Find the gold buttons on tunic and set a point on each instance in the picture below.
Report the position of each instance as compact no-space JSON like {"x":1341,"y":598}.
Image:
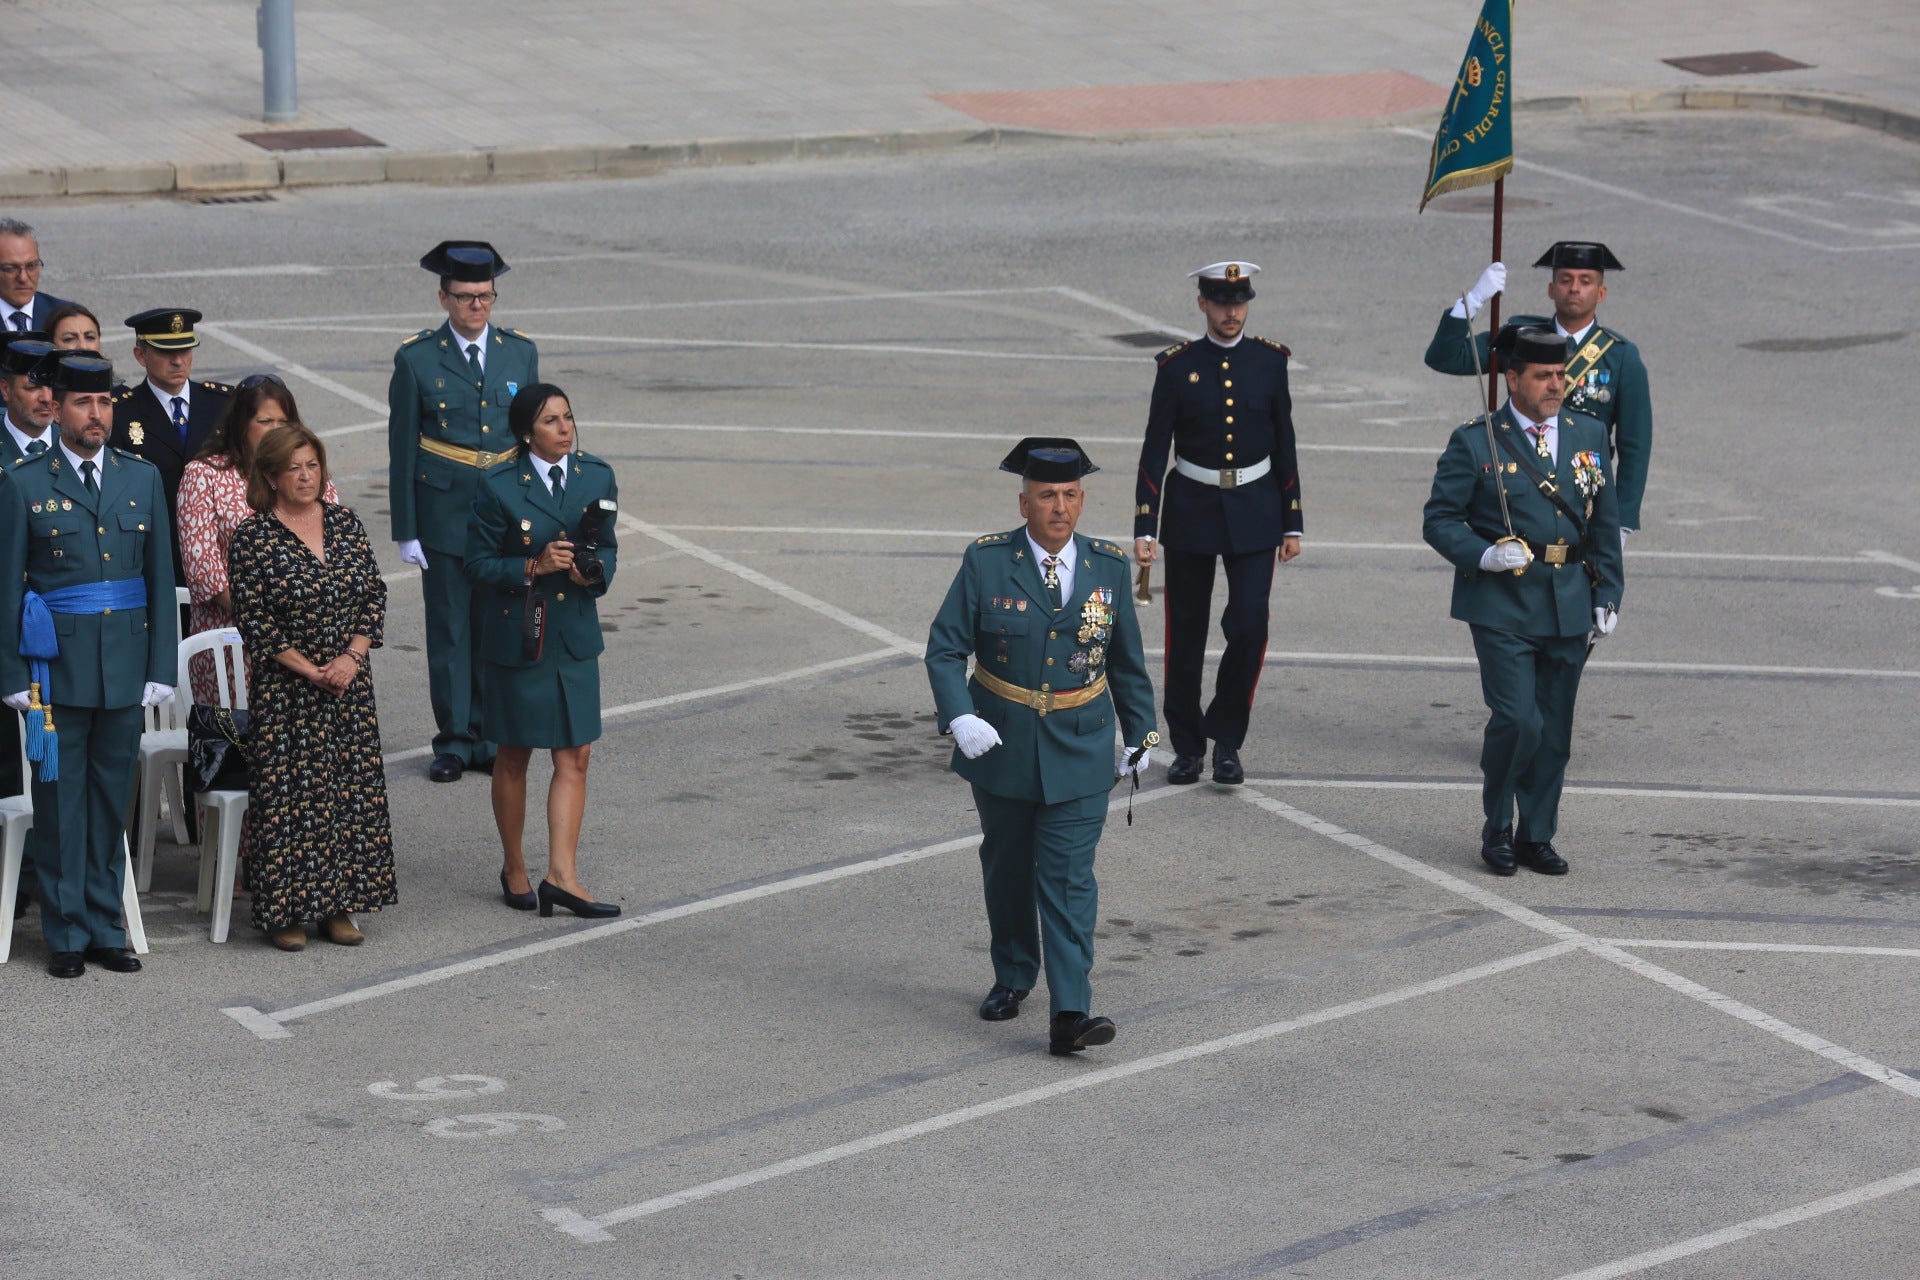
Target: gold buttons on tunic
{"x":1049,"y":661}
{"x":560,"y":595}
{"x":103,"y":528}
{"x":1229,"y":380}
{"x":1229,"y":402}
{"x":1229,"y":457}
{"x":1223,"y":364}
{"x":1229,"y":437}
{"x":106,"y":555}
{"x":1053,"y":635}
{"x":1229,"y":419}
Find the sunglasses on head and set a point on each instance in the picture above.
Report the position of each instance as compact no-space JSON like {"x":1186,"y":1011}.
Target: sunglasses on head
{"x":256,"y":379}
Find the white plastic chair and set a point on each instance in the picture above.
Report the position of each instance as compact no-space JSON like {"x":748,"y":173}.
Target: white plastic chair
{"x":221,"y":812}
{"x":16,"y":812}
{"x":163,"y":757}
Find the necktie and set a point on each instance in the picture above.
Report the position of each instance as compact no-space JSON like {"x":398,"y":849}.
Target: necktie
{"x":36,"y":447}
{"x":180,"y":417}
{"x":557,"y":481}
{"x":473,"y":360}
{"x":20,"y":321}
{"x":1052,"y":565}
{"x":86,"y":477}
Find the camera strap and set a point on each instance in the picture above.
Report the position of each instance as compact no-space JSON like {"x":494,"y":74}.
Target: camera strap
{"x":533,"y":626}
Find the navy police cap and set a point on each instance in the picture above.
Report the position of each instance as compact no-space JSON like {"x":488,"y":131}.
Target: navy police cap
{"x":1048,"y":459}
{"x":472,"y":261}
{"x":1226,"y":281}
{"x":167,"y":328}
{"x":82,"y":373}
{"x":1579,"y":255}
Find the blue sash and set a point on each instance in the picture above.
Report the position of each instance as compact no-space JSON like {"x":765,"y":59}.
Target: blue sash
{"x":39,"y":644}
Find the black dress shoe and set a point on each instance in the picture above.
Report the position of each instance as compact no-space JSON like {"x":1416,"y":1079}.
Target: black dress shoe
{"x":518,"y":901}
{"x":1072,"y":1032}
{"x":1496,"y":848}
{"x":445,"y":768}
{"x":551,"y":895}
{"x":66,"y":964}
{"x":1539,"y":857}
{"x":114,"y":959}
{"x":1226,"y":767}
{"x":1183,"y":770}
{"x":1001,"y":1003}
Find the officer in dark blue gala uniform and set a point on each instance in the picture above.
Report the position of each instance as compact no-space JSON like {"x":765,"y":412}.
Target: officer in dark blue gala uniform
{"x":1222,"y":409}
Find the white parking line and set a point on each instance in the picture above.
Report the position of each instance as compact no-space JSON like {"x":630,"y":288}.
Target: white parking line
{"x":1595,"y":664}
{"x":1574,"y":789}
{"x":270,"y":1024}
{"x":1887,"y":557}
{"x":1751,"y":1227}
{"x":594,"y":1230}
{"x":1759,"y":1020}
{"x":220,"y":333}
{"x":1784,"y":948}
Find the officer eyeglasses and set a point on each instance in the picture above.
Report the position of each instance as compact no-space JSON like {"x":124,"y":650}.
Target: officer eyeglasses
{"x":22,"y":268}
{"x":256,"y":379}
{"x":474,"y":299}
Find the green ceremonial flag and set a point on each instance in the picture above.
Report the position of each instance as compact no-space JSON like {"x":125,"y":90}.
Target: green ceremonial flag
{"x":1475,"y":141}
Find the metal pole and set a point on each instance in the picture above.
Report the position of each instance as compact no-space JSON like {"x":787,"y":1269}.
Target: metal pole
{"x":279,"y":84}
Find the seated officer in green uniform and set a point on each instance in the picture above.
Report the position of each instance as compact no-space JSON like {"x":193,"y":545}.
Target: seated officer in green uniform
{"x":446,"y":424}
{"x":1523,"y":506}
{"x":1606,"y":380}
{"x":90,"y":653}
{"x":1046,"y":616}
{"x":540,"y":551}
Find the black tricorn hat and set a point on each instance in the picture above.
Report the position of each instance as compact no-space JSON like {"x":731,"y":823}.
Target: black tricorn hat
{"x":470,"y":260}
{"x":1533,"y":346}
{"x":1580,"y":255}
{"x":24,"y":352}
{"x":1050,"y":459}
{"x":82,"y":373}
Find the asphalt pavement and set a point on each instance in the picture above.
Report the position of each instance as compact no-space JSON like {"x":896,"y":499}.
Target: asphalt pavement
{"x":1344,"y":1051}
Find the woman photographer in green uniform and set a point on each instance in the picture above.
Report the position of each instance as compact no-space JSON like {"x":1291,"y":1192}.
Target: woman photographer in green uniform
{"x":541,"y":545}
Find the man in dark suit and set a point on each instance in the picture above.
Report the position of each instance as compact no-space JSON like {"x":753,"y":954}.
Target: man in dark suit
{"x":167,"y":416}
{"x":1221,"y":407}
{"x":23,"y":308}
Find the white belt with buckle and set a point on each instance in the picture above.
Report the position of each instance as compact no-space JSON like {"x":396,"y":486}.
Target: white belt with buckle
{"x":1231,"y":478}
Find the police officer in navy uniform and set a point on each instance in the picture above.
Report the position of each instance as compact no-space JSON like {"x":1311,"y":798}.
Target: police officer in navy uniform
{"x":1606,"y":379}
{"x":446,"y":425}
{"x":1222,"y":410}
{"x":1043,"y":614}
{"x":167,"y":416}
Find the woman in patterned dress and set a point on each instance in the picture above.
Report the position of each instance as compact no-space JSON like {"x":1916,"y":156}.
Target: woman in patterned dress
{"x":309,"y":602}
{"x":213,"y":502}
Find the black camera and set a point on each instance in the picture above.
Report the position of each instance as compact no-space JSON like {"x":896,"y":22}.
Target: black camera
{"x":586,"y":547}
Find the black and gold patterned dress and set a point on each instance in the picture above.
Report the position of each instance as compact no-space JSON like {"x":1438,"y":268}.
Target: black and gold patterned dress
{"x":317,"y":790}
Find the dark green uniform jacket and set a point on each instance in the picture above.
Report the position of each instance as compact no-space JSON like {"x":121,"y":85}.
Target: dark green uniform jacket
{"x":1463,"y":520}
{"x":434,"y":394}
{"x":1606,"y":382}
{"x":514,"y":517}
{"x":997,"y":613}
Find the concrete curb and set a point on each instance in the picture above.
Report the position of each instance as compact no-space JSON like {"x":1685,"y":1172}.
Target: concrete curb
{"x":332,"y":168}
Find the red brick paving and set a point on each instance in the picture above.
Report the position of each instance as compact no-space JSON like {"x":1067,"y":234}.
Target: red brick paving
{"x":1363,"y":95}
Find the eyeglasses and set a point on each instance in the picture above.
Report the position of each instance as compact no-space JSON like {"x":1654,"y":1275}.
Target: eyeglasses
{"x":22,"y":268}
{"x":474,"y":299}
{"x":256,"y":379}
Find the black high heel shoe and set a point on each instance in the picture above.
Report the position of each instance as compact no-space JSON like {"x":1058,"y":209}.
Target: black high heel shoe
{"x":552,"y":895}
{"x":518,"y":901}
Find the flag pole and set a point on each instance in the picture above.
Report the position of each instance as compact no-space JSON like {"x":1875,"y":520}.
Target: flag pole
{"x":1493,"y":316}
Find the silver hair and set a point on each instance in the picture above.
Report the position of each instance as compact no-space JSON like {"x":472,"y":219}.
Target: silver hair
{"x":15,"y":227}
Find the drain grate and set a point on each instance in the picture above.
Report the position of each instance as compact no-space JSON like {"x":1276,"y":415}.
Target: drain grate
{"x":1148,"y":339}
{"x":1838,"y":343}
{"x":1753,"y":62}
{"x":250,"y":197}
{"x":310,"y":139}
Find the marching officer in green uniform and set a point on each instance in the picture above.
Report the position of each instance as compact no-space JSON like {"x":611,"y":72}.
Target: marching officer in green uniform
{"x":1524,"y":506}
{"x":446,"y":425}
{"x":1606,"y":379}
{"x":1046,"y":616}
{"x":89,"y":592}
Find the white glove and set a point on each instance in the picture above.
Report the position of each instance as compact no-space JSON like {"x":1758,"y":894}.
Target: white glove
{"x":411,"y":552}
{"x":1504,"y":555}
{"x":155,"y":694}
{"x":974,"y":736}
{"x":1492,"y":281}
{"x":1623,"y":540}
{"x":19,"y":701}
{"x":1604,"y":621}
{"x":1126,"y":770}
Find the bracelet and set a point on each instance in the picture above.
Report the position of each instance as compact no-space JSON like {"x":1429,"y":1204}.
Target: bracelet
{"x":358,"y":657}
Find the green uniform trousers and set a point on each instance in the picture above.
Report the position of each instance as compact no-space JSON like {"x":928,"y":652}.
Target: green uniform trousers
{"x":78,"y":824}
{"x":1037,"y":862}
{"x":453,"y":661}
{"x":1528,"y":683}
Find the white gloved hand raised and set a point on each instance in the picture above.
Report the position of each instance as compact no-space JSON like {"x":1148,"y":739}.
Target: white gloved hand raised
{"x":974,"y":736}
{"x":1504,"y":555}
{"x":155,"y":694}
{"x":1492,"y":281}
{"x":1604,"y":621}
{"x":20,"y":701}
{"x":411,"y":552}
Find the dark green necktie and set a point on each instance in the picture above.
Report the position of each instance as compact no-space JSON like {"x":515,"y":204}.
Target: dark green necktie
{"x":36,"y":447}
{"x":473,"y":361}
{"x":86,"y":477}
{"x":557,"y":481}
